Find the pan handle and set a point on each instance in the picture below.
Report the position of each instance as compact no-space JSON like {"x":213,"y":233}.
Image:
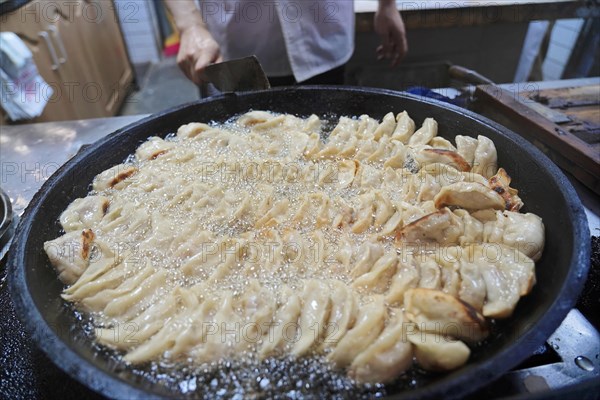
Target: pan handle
{"x":468,"y":75}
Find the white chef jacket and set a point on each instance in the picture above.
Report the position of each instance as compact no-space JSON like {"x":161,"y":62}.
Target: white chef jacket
{"x":303,"y":38}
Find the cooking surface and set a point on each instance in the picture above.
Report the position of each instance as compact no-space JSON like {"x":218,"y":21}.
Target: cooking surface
{"x":30,"y":154}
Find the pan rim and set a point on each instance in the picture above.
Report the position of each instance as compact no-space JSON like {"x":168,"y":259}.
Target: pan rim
{"x":449,"y":386}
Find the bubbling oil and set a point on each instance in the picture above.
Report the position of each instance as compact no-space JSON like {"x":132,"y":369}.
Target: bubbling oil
{"x":195,"y":187}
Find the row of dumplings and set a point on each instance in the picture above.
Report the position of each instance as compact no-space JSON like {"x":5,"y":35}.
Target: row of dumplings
{"x":372,"y":341}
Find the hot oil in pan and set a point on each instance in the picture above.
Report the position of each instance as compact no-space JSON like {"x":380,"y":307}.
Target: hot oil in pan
{"x":271,"y":378}
{"x":328,"y":122}
{"x":308,"y":377}
{"x":247,"y":377}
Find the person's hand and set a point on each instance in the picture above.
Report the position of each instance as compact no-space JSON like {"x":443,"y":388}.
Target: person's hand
{"x":197,"y":50}
{"x":390,"y":28}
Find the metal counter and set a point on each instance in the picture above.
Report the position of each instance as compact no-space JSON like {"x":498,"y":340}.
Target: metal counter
{"x":29,"y":154}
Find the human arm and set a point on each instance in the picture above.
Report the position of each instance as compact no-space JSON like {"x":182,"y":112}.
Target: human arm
{"x":390,"y":28}
{"x":197,"y":47}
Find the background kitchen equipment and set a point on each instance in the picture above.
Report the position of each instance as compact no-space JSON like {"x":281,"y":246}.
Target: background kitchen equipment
{"x":561,"y":119}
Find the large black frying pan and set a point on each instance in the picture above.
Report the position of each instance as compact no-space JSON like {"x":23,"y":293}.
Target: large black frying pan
{"x":544,"y":189}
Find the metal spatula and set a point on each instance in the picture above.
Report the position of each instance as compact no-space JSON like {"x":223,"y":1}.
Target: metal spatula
{"x":239,"y":75}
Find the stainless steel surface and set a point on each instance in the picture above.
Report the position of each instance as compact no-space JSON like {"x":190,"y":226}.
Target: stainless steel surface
{"x":7,"y":224}
{"x":29,"y":154}
{"x":5,"y":246}
{"x":6,"y":214}
{"x":577,"y":343}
